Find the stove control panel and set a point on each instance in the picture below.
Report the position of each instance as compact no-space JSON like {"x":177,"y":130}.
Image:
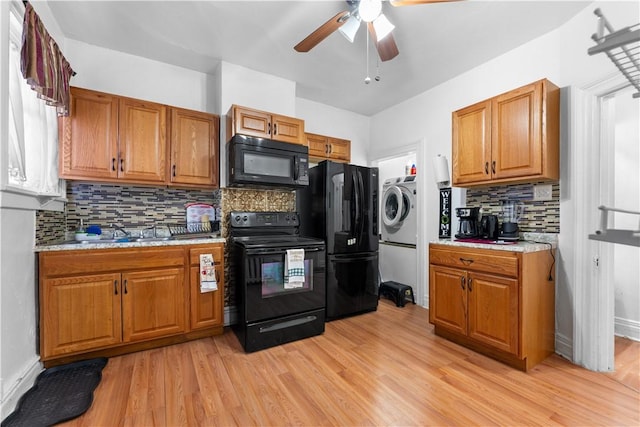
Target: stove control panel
{"x":264,"y":219}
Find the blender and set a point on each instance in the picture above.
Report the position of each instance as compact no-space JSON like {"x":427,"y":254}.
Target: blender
{"x":512,"y":212}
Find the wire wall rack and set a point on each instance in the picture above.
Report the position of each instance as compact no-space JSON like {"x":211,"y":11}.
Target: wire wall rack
{"x":621,"y":46}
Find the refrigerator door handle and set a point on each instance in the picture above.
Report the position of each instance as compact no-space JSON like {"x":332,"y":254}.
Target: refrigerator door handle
{"x":356,"y":194}
{"x":361,"y":213}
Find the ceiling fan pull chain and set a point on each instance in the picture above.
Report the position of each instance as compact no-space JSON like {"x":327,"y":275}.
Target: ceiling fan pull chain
{"x":367,"y":79}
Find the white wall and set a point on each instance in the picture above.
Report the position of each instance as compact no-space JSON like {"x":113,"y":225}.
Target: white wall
{"x":326,"y":120}
{"x":119,"y":73}
{"x":561,"y":56}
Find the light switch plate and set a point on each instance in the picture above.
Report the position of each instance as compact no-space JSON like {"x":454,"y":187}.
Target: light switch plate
{"x":542,"y":192}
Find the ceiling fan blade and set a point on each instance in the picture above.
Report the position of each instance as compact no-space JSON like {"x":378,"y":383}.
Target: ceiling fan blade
{"x":387,"y":48}
{"x":322,"y":32}
{"x":412,"y":2}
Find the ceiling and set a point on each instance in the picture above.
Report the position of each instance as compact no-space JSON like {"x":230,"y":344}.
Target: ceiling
{"x":436,"y":41}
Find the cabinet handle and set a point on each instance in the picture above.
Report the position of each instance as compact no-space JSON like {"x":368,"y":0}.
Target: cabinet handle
{"x":269,"y":128}
{"x":470,"y":280}
{"x":115,"y":286}
{"x":125,"y":287}
{"x":275,"y":128}
{"x":121,"y":165}
{"x":174,"y":170}
{"x":466,"y":261}
{"x":493,"y":167}
{"x":486,"y":168}
{"x":330,"y":148}
{"x":113,"y":164}
{"x":462,"y":282}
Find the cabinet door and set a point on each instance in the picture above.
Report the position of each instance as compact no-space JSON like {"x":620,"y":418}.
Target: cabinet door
{"x":80,"y":313}
{"x":89,"y":137}
{"x":142,"y":134}
{"x":516,"y":132}
{"x":448,"y":298}
{"x":472,"y":144}
{"x":493,"y":311}
{"x":318,"y":145}
{"x":287,"y":129}
{"x":206,"y":308}
{"x":339,"y":149}
{"x":252,"y":122}
{"x":153,"y":303}
{"x":194,"y":148}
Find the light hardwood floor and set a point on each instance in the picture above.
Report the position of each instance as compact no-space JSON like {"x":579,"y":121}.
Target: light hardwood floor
{"x":380,"y":368}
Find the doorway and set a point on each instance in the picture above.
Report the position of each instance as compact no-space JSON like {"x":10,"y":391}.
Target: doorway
{"x":605,"y":118}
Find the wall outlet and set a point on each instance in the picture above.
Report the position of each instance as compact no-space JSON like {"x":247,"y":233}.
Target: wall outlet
{"x":542,"y":192}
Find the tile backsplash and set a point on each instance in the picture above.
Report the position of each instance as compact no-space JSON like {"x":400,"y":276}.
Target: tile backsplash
{"x":539,"y":216}
{"x":136,"y":207}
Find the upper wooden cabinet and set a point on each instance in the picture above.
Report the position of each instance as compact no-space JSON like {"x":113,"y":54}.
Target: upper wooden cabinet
{"x":112,"y":138}
{"x":513,"y":137}
{"x":194,"y":158}
{"x":328,"y":148}
{"x":261,"y":124}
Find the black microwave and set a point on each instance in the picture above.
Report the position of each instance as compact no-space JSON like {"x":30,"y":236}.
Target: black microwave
{"x":261,"y":162}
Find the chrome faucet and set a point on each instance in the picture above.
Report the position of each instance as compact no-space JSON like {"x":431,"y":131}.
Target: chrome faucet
{"x":118,"y":228}
{"x":152,"y":228}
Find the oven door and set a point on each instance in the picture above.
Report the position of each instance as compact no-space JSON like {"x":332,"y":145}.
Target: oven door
{"x":267,"y":293}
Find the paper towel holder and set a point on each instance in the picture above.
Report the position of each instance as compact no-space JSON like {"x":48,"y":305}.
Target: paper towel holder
{"x":441,"y":171}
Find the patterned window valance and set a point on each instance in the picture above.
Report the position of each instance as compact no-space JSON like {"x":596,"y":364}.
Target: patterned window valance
{"x":42,"y":63}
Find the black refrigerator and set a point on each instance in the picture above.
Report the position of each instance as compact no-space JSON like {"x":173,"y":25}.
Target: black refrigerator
{"x":340,"y":206}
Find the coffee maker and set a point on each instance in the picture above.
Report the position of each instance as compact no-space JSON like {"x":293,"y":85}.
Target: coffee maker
{"x":512,"y":213}
{"x":468,"y":222}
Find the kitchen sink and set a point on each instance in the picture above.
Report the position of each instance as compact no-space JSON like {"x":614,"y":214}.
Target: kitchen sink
{"x":119,"y":240}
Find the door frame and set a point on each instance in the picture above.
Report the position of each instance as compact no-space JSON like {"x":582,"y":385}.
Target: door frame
{"x":590,"y":165}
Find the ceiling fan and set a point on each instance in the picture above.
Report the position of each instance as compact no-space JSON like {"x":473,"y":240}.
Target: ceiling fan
{"x":348,"y":22}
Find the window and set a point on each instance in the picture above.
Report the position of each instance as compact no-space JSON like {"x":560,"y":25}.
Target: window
{"x":33,"y":128}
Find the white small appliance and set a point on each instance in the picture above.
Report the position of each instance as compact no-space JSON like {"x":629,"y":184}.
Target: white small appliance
{"x":399,"y":210}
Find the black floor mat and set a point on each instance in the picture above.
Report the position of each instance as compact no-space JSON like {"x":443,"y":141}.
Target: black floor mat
{"x":60,"y":393}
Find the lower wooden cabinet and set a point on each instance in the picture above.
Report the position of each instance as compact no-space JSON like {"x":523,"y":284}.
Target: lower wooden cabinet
{"x":500,"y":303}
{"x":106,"y":302}
{"x":207,"y":308}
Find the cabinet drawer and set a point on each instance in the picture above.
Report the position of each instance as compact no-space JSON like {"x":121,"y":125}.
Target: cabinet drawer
{"x":497,"y":262}
{"x":194,"y":254}
{"x":104,"y":260}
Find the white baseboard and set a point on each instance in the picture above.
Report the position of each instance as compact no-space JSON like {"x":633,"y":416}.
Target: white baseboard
{"x":627,"y":328}
{"x":564,"y":346}
{"x":19,"y":388}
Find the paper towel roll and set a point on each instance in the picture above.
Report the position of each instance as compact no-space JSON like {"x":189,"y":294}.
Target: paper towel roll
{"x":441,"y":169}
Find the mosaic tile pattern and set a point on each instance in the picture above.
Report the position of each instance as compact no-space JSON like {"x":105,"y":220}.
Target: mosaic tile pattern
{"x":131,"y":207}
{"x":50,"y":227}
{"x":240,"y":199}
{"x":539,"y":216}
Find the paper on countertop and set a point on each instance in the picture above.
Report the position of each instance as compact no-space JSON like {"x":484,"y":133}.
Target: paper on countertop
{"x":208,"y":282}
{"x":294,"y":268}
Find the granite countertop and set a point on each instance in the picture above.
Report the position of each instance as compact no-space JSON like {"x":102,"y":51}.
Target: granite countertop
{"x":530,"y":242}
{"x":85,"y":245}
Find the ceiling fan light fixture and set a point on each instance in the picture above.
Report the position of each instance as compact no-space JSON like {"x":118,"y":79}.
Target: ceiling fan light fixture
{"x":369,"y":9}
{"x":382,"y":27}
{"x":350,"y":28}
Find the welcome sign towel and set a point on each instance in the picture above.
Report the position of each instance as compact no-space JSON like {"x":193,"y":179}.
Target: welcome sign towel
{"x":294,"y":269}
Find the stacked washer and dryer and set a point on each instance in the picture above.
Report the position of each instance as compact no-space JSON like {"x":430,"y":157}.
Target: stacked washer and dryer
{"x":399,"y":210}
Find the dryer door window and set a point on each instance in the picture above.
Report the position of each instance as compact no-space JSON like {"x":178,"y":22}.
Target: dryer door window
{"x":396,"y":206}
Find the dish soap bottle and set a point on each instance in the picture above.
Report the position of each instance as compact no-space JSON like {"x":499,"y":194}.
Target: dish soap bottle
{"x":413,"y":169}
